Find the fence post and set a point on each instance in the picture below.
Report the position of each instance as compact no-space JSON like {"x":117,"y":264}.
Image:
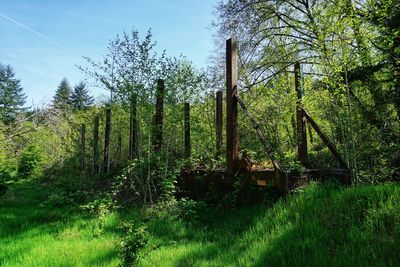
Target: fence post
{"x":301,"y":119}
{"x":158,"y":120}
{"x":83,"y":147}
{"x":231,"y":107}
{"x":218,"y":122}
{"x":96,"y":145}
{"x":118,"y":153}
{"x":187,"y":130}
{"x":132,"y":128}
{"x":107,"y":137}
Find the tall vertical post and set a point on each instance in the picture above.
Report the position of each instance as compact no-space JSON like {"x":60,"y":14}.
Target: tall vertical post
{"x":83,"y":147}
{"x":132,"y":128}
{"x":218,"y":122}
{"x":96,"y":145}
{"x":187,"y":129}
{"x":119,"y":148}
{"x":158,"y":120}
{"x":301,"y":119}
{"x":107,"y":137}
{"x":231,"y":107}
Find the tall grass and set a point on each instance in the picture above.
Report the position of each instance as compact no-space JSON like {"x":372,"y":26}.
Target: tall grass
{"x":319,"y":226}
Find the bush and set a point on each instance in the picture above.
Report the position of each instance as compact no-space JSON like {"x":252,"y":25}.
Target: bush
{"x":29,"y":163}
{"x":194,"y":212}
{"x":147,"y":181}
{"x":133,"y":242}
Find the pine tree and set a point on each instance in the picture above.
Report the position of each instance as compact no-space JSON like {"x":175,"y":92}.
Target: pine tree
{"x":80,"y":98}
{"x":62,"y":96}
{"x":11,"y":97}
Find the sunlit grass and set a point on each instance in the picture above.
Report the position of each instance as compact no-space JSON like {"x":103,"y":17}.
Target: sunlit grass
{"x":321,"y":226}
{"x":33,"y":235}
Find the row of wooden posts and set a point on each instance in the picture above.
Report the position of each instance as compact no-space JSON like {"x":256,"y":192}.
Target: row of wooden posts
{"x":232,"y":100}
{"x":157,"y":133}
{"x":231,"y":126}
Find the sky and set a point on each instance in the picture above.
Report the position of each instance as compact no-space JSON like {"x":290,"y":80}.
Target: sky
{"x":44,"y":40}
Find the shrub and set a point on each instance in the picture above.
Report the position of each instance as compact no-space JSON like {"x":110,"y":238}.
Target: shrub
{"x":146,"y":180}
{"x":30,"y":160}
{"x":134,"y":240}
{"x":194,"y":212}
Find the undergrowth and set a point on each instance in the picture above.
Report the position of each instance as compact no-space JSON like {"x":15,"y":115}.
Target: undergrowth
{"x":320,"y":225}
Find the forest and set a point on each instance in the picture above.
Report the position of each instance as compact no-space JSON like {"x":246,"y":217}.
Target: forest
{"x":283,"y":151}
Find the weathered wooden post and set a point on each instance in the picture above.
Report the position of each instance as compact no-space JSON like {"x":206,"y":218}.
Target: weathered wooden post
{"x":119,"y":148}
{"x":231,"y":107}
{"x":301,"y":119}
{"x":96,"y":145}
{"x":83,"y":147}
{"x":132,"y":128}
{"x":107,"y":137}
{"x":218,"y":122}
{"x":188,"y":146}
{"x":158,"y":120}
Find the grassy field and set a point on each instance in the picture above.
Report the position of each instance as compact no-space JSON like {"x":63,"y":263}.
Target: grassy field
{"x":319,"y":226}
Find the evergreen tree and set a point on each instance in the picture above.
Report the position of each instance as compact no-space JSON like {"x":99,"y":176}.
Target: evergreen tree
{"x":80,"y":98}
{"x":62,"y":96}
{"x":11,"y":97}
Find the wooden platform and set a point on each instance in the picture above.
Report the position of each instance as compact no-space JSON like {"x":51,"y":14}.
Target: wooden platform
{"x":200,"y":179}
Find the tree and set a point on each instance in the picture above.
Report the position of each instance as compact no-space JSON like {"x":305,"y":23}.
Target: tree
{"x":11,"y":97}
{"x":131,"y":66}
{"x":62,"y":96}
{"x":80,"y":98}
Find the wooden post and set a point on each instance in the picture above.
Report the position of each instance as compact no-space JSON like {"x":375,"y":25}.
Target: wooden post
{"x":132,"y":128}
{"x":107,"y":137}
{"x":231,"y":107}
{"x":218,"y":122}
{"x":158,"y":120}
{"x":83,"y":147}
{"x":346,"y":178}
{"x":187,"y":129}
{"x":96,"y":145}
{"x":119,"y":148}
{"x":301,"y":120}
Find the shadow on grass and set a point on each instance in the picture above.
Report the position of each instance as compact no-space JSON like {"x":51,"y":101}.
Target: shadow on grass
{"x":323,"y":226}
{"x":26,"y":221}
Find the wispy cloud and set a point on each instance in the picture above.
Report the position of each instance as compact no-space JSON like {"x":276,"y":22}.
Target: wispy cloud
{"x":28,"y":29}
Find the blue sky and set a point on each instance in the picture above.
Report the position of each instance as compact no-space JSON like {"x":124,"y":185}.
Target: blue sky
{"x":43,"y":40}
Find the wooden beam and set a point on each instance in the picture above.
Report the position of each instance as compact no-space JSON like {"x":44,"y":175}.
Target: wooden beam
{"x":158,"y":121}
{"x":187,"y":130}
{"x":132,"y":127}
{"x":326,"y":140}
{"x":267,"y":146}
{"x":218,"y":122}
{"x":301,"y":121}
{"x":83,"y":147}
{"x":96,"y":145}
{"x":118,"y":153}
{"x":231,"y":107}
{"x":107,"y":141}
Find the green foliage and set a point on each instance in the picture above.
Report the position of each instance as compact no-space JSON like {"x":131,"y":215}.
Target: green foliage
{"x":11,"y":97}
{"x":194,"y":212}
{"x":80,"y":98}
{"x":134,"y":240}
{"x":61,"y":99}
{"x":146,"y":181}
{"x":7,"y":163}
{"x":360,"y":225}
{"x":30,"y":161}
{"x":101,"y":206}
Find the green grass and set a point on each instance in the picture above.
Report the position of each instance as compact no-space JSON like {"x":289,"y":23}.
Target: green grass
{"x":321,"y":226}
{"x":32,"y":234}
